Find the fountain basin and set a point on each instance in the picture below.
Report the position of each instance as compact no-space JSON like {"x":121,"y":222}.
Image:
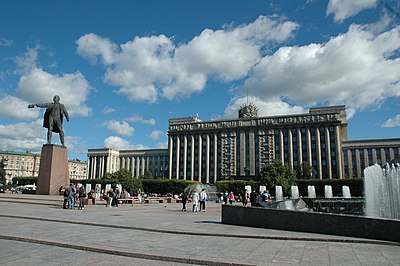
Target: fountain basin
{"x":313,"y":222}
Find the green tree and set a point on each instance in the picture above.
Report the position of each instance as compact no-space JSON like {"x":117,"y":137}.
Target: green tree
{"x":128,"y":182}
{"x":278,"y":174}
{"x":306,"y":171}
{"x":2,"y":173}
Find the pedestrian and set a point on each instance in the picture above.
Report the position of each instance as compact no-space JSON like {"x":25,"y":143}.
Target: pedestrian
{"x":231,"y":197}
{"x":245,"y":198}
{"x":203,"y":199}
{"x":116,"y":197}
{"x":81,"y":196}
{"x":71,"y":196}
{"x":65,"y":204}
{"x":110,"y":193}
{"x":195,"y":201}
{"x":252,"y":197}
{"x":226,"y":196}
{"x":184,"y":200}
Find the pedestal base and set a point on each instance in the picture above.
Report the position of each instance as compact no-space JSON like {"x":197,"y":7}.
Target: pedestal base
{"x":53,"y":170}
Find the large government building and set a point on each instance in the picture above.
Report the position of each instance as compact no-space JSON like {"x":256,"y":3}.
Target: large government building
{"x":238,"y":148}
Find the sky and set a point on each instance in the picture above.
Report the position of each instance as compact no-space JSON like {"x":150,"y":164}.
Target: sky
{"x":123,"y":68}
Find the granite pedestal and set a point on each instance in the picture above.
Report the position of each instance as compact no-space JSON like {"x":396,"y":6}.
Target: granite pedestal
{"x":53,"y":170}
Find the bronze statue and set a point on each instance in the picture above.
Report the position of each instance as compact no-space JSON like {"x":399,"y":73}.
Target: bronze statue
{"x":53,"y":117}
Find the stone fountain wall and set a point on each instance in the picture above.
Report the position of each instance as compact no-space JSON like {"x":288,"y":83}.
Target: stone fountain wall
{"x":312,"y":222}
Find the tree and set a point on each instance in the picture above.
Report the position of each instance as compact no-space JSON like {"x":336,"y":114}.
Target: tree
{"x":2,"y":173}
{"x":306,"y":171}
{"x":278,"y":174}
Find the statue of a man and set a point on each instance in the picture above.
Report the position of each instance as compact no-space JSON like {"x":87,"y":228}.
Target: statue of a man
{"x":53,"y":117}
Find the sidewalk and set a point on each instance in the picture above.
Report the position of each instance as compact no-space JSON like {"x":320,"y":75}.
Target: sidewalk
{"x":35,"y":229}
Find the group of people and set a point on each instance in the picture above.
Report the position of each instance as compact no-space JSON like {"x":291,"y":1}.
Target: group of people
{"x":198,"y":200}
{"x":73,"y":194}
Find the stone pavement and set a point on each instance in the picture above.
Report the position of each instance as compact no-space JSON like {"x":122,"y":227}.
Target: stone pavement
{"x":35,"y":230}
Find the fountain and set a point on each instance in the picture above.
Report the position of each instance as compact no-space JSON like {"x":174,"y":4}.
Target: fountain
{"x":328,"y":192}
{"x":346,"y":192}
{"x":212,"y":193}
{"x":311,"y":192}
{"x":278,"y":193}
{"x":382,"y":188}
{"x":294,"y":192}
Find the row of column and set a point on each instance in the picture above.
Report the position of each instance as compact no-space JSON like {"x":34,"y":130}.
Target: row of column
{"x":366,"y":160}
{"x":191,"y":138}
{"x":318,"y":150}
{"x":101,"y":164}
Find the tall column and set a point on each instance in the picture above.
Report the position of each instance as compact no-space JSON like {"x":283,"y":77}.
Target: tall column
{"x":350,"y":163}
{"x":358,"y":163}
{"x":328,"y":152}
{"x":171,"y":146}
{"x":133,"y":166}
{"x":366,"y":160}
{"x":391,"y":154}
{"x":95,"y":167}
{"x":184,"y":156}
{"x":309,"y":147}
{"x":374,"y":156}
{"x":252,"y":153}
{"x":299,"y":146}
{"x":290,"y":147}
{"x":178,"y":146}
{"x":143,"y":165}
{"x":319,"y":161}
{"x":383,"y":156}
{"x":338,"y":151}
{"x":215,"y":158}
{"x":282,"y":146}
{"x":137,"y":166}
{"x":200,"y":155}
{"x":242,"y":153}
{"x":208,"y":158}
{"x":192,"y":159}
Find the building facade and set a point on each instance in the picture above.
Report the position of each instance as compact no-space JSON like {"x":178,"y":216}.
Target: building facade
{"x":27,"y":164}
{"x":239,"y":148}
{"x":138,"y":162}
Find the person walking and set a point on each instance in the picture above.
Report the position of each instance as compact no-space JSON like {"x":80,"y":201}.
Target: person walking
{"x":71,"y":196}
{"x":203,"y":199}
{"x":184,"y":200}
{"x":231,"y":197}
{"x":226,"y":196}
{"x":65,"y":204}
{"x":195,"y":201}
{"x":245,"y":198}
{"x":81,"y":196}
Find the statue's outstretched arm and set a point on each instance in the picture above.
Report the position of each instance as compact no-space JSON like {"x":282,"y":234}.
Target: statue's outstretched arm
{"x":42,"y":105}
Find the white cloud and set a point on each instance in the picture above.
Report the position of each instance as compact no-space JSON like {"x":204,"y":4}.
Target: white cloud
{"x":358,"y":69}
{"x":28,"y":61}
{"x":162,"y":145}
{"x":392,"y":122}
{"x":96,"y":49}
{"x":6,"y":42}
{"x":118,"y":143}
{"x":108,"y":110}
{"x":156,"y":134}
{"x":120,"y":128}
{"x":139,"y":119}
{"x":39,"y":86}
{"x":343,"y":9}
{"x":270,"y":107}
{"x":15,"y":108}
{"x":23,"y":136}
{"x":147,"y":66}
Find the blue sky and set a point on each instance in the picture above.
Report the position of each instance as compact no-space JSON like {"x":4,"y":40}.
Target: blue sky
{"x":123,"y":68}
